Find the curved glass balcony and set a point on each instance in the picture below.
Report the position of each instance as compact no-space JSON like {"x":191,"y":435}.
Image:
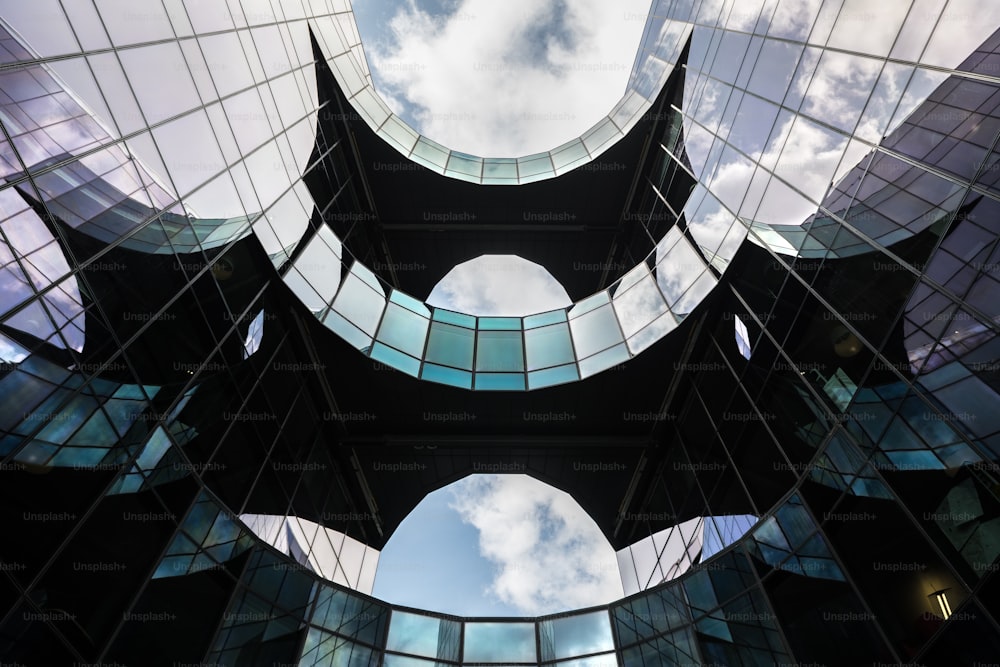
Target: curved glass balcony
{"x":345,"y":53}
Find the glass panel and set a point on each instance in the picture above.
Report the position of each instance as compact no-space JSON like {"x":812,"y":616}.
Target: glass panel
{"x":500,"y":642}
{"x":577,"y":635}
{"x":543,"y":319}
{"x":399,"y":133}
{"x":569,"y":155}
{"x":423,"y":635}
{"x":589,"y":304}
{"x":451,"y":317}
{"x":450,"y":345}
{"x":396,"y":359}
{"x":499,"y":324}
{"x":534,"y":166}
{"x":445,"y":375}
{"x":464,"y":164}
{"x":641,"y":303}
{"x":403,"y":329}
{"x":595,"y":331}
{"x":500,"y":169}
{"x":499,"y":351}
{"x":500,"y":381}
{"x":598,"y":137}
{"x":553,"y":376}
{"x":599,"y":362}
{"x":548,"y":346}
{"x":408,"y":301}
{"x":360,"y":304}
{"x":433,"y":152}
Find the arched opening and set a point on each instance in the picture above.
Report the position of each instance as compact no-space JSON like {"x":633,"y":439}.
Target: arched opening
{"x":498,"y":545}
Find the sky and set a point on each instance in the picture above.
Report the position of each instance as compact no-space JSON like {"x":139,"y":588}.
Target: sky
{"x":498,"y":545}
{"x":503,"y":285}
{"x":501,"y":79}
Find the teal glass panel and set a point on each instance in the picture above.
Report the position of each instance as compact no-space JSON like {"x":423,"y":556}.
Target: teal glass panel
{"x":396,"y":359}
{"x":451,"y":317}
{"x":500,"y":642}
{"x":403,"y":329}
{"x":424,"y":636}
{"x":548,"y":346}
{"x":499,"y":351}
{"x":499,"y":323}
{"x":132,"y":391}
{"x":595,"y":331}
{"x":407,"y":301}
{"x":543,"y":319}
{"x":576,"y":635}
{"x":445,"y":375}
{"x":500,"y":381}
{"x":553,"y":376}
{"x":450,"y":345}
{"x":604,"y":360}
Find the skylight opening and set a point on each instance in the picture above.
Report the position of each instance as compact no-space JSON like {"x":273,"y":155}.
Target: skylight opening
{"x":499,"y":285}
{"x":498,"y":545}
{"x":501,"y":79}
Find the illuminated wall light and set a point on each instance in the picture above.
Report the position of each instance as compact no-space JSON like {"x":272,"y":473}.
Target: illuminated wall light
{"x":942,"y":599}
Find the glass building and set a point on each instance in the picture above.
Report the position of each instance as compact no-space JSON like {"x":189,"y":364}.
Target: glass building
{"x":775,"y":390}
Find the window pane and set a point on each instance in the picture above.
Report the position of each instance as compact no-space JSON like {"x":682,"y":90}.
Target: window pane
{"x":359,"y":304}
{"x":548,"y":346}
{"x":500,"y":381}
{"x":500,"y":642}
{"x":423,"y":635}
{"x":595,"y":331}
{"x":499,"y":351}
{"x":576,"y":635}
{"x":450,"y":345}
{"x":445,"y":375}
{"x":553,"y":376}
{"x":403,"y":329}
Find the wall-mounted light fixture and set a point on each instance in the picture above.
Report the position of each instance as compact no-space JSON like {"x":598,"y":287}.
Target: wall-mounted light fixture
{"x":942,"y":600}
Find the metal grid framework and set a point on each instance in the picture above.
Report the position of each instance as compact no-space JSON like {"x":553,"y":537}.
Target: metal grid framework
{"x":867,"y":406}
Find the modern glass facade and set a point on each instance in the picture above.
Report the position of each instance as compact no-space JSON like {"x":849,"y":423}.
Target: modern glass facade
{"x":776,"y":391}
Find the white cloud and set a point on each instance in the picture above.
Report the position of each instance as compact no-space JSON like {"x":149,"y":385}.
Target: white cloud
{"x":549,"y":554}
{"x":499,"y":285}
{"x":512,"y":78}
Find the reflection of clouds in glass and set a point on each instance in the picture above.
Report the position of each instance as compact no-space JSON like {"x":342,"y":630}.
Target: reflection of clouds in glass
{"x":637,"y":301}
{"x":549,"y":554}
{"x":847,"y":91}
{"x":41,"y":264}
{"x":580,"y":635}
{"x":677,"y":265}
